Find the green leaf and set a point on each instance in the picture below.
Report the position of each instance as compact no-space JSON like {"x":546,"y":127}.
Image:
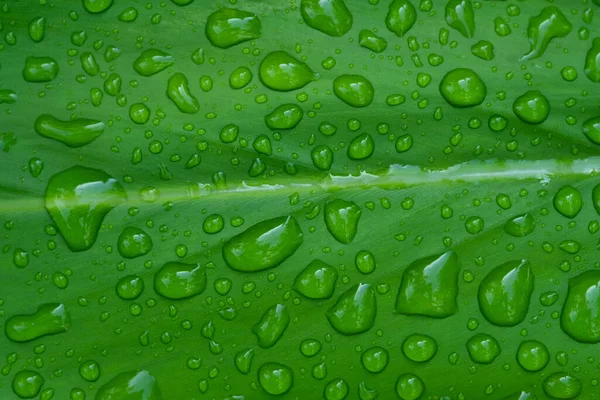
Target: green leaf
{"x":333,"y":199}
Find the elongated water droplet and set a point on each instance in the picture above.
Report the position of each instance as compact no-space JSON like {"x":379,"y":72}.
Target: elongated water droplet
{"x":8,"y":96}
{"x":285,"y":116}
{"x":152,"y":61}
{"x":272,"y":325}
{"x":401,"y":16}
{"x":275,"y":379}
{"x":317,"y":280}
{"x":179,"y":93}
{"x":176,"y":280}
{"x":354,"y":311}
{"x":580,"y":318}
{"x":460,"y":16}
{"x":78,"y":199}
{"x":483,"y":348}
{"x":354,"y":90}
{"x":505,"y":292}
{"x":40,"y":69}
{"x":89,"y":64}
{"x":592,"y":61}
{"x":430,"y":286}
{"x":331,"y":17}
{"x":462,"y":87}
{"x":591,"y":129}
{"x":73,"y":133}
{"x":281,"y":71}
{"x":49,"y":319}
{"x":229,"y":26}
{"x":369,"y":40}
{"x":243,"y":360}
{"x":532,"y":107}
{"x":264,"y":245}
{"x":550,"y":23}
{"x":341,"y":219}
{"x":37,"y":29}
{"x":130,"y":386}
{"x":561,"y":385}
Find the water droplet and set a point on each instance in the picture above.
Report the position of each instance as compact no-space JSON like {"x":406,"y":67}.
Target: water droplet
{"x":365,"y":261}
{"x":533,"y":355}
{"x":474,"y":225}
{"x":20,"y":258}
{"x":130,"y":386}
{"x":331,"y":17}
{"x":483,"y":49}
{"x":550,"y":23}
{"x":409,"y":387}
{"x":354,"y":90}
{"x":462,"y":87}
{"x":460,"y":16}
{"x":429,"y":287}
{"x":134,"y":242}
{"x":310,"y":347}
{"x":317,"y":280}
{"x":568,"y":201}
{"x":73,"y":133}
{"x":505,"y":292}
{"x":419,"y":348}
{"x":130,"y":287}
{"x":483,"y":348}
{"x":404,"y":143}
{"x":262,"y":144}
{"x":78,"y":199}
{"x":285,"y":116}
{"x":520,"y":226}
{"x":97,"y":6}
{"x":532,"y":107}
{"x":243,"y":360}
{"x":322,"y":157}
{"x":401,"y":16}
{"x":276,"y":379}
{"x":375,"y":359}
{"x":240,"y":77}
{"x":354,"y":311}
{"x":37,"y":29}
{"x":152,"y":61}
{"x":591,"y":129}
{"x":229,"y":26}
{"x":361,"y":147}
{"x":281,"y":71}
{"x":336,"y":389}
{"x":580,"y":318}
{"x":128,"y":15}
{"x":341,"y":219}
{"x":264,"y":245}
{"x":179,"y":93}
{"x":139,"y":113}
{"x":176,"y":280}
{"x":49,"y":319}
{"x":272,"y":325}
{"x":27,"y":384}
{"x":40,"y":69}
{"x":561,"y":385}
{"x":90,"y":370}
{"x":369,"y":40}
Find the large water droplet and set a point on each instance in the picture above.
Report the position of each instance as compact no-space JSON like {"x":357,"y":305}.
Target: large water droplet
{"x":133,"y":242}
{"x":286,"y":116}
{"x":276,"y":379}
{"x":580,"y":318}
{"x":272,"y":325}
{"x":409,"y":387}
{"x":483,"y":348}
{"x":229,"y":26}
{"x":430,"y":286}
{"x":341,"y":219}
{"x":361,"y":147}
{"x":49,"y":319}
{"x":130,"y":386}
{"x":354,"y":311}
{"x":401,"y":16}
{"x":375,"y":359}
{"x":74,"y":133}
{"x":533,"y":355}
{"x":40,"y":69}
{"x":90,"y":370}
{"x":322,"y":157}
{"x":369,"y":40}
{"x":37,"y":29}
{"x":354,"y":90}
{"x":336,"y":389}
{"x":462,"y":87}
{"x":419,"y":348}
{"x":591,"y":129}
{"x":331,"y":17}
{"x":568,"y":201}
{"x":264,"y":245}
{"x":561,"y":385}
{"x":505,"y":292}
{"x":532,"y":107}
{"x":460,"y":16}
{"x":550,"y":23}
{"x":97,"y":6}
{"x":177,"y":280}
{"x":27,"y":384}
{"x":281,"y":71}
{"x":317,"y":280}
{"x":592,"y":61}
{"x":78,"y":199}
